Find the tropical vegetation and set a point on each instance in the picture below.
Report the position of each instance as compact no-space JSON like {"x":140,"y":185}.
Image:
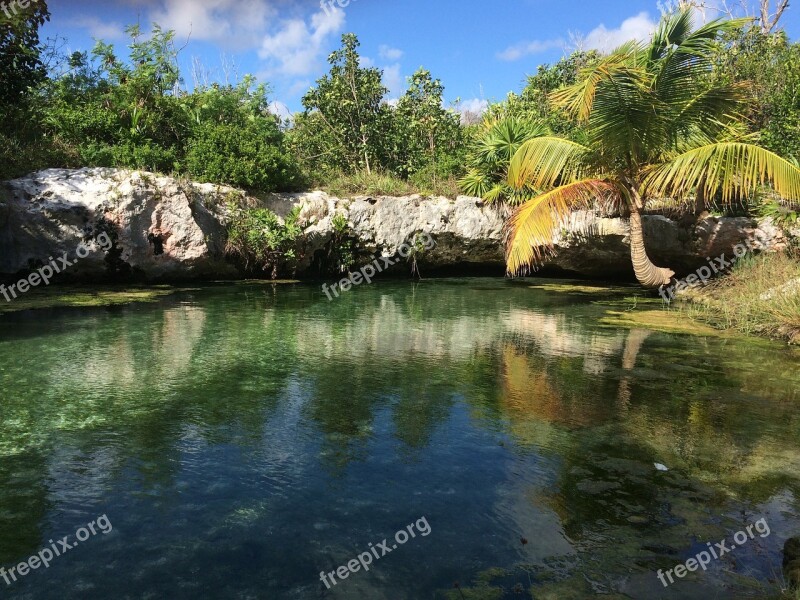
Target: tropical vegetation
{"x":656,"y":122}
{"x":701,"y":117}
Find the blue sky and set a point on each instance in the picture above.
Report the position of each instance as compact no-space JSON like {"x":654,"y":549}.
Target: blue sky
{"x":480,"y":50}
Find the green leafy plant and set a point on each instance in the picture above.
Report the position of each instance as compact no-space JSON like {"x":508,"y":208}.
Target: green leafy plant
{"x":782,"y":214}
{"x":417,"y":251}
{"x":263,"y":241}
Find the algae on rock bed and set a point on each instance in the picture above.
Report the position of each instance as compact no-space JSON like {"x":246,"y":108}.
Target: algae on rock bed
{"x":81,"y":296}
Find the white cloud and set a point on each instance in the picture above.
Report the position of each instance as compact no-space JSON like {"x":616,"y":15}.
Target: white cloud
{"x":393,"y":80}
{"x":600,"y":38}
{"x":471,"y":109}
{"x":280,"y":109}
{"x":288,"y":39}
{"x":296,"y":47}
{"x":366,"y":62}
{"x":388,"y":53}
{"x":299,"y":87}
{"x":234,"y":23}
{"x":638,"y":28}
{"x":101,"y":30}
{"x":527,"y":48}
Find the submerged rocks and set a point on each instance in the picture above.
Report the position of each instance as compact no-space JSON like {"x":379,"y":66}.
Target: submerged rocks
{"x":791,"y":561}
{"x":166,"y":228}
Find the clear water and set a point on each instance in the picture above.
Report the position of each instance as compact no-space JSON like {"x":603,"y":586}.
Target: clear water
{"x":241,"y":439}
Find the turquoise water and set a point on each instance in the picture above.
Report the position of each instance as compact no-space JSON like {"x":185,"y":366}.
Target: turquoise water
{"x":241,"y":439}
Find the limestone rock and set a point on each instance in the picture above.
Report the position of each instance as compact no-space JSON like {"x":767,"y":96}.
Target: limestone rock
{"x":162,"y":228}
{"x":169,"y":229}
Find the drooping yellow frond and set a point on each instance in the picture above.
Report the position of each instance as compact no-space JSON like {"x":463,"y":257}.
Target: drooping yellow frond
{"x":732,"y":168}
{"x":578,"y":99}
{"x":544,"y":161}
{"x":532,"y":226}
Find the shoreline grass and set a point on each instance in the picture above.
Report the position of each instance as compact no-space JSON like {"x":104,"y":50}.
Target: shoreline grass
{"x":760,"y":296}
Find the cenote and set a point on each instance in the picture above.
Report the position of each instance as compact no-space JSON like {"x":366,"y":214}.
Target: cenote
{"x":243,"y":438}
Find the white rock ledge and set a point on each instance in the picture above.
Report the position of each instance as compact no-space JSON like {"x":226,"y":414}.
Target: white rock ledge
{"x":171,"y":229}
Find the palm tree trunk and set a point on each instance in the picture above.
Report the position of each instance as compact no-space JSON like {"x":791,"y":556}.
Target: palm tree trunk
{"x":700,"y":200}
{"x":647,"y":273}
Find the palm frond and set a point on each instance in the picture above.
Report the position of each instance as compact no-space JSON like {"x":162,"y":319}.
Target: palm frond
{"x":502,"y":137}
{"x":497,"y":193}
{"x":733,"y":169}
{"x":712,"y":115}
{"x":672,"y":31}
{"x":578,"y":99}
{"x":490,"y":155}
{"x":531,"y":228}
{"x":626,"y":118}
{"x":475,"y":183}
{"x":684,"y":66}
{"x":544,"y":161}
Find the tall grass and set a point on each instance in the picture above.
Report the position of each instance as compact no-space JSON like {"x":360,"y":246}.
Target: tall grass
{"x":384,"y":184}
{"x":761,"y":295}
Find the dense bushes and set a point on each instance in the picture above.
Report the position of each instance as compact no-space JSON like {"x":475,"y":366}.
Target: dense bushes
{"x":770,"y":64}
{"x":96,"y":109}
{"x":250,"y":157}
{"x":135,"y":115}
{"x":234,"y":139}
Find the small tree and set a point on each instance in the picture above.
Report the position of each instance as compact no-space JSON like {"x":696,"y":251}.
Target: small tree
{"x":21,"y":66}
{"x":424,"y":128}
{"x":347,"y":105}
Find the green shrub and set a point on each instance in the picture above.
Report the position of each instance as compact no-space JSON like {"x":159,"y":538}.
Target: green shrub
{"x":261,"y":240}
{"x":250,"y":157}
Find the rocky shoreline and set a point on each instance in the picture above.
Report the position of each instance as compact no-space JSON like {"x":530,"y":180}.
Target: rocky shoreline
{"x":168,"y":229}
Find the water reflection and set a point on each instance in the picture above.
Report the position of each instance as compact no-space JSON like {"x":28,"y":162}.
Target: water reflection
{"x":499,"y":412}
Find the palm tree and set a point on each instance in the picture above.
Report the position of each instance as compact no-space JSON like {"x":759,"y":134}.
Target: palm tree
{"x":655,"y":125}
{"x":490,"y":154}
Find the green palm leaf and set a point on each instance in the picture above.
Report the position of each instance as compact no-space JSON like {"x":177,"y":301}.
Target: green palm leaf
{"x":544,"y":161}
{"x":731,"y":168}
{"x":578,"y":99}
